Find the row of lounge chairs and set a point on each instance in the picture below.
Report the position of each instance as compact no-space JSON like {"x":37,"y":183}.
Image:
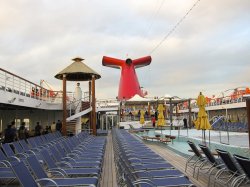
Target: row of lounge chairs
{"x":227,"y":170}
{"x":138,"y":165}
{"x":230,"y":126}
{"x":53,"y":160}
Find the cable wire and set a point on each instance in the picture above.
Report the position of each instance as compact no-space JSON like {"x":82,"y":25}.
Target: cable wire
{"x":153,"y":17}
{"x":174,"y":28}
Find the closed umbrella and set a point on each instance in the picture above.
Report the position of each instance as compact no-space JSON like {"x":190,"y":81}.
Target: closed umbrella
{"x":142,"y":121}
{"x":161,"y":120}
{"x":202,"y":121}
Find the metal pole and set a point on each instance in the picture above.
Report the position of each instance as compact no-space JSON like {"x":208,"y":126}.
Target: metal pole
{"x":189,"y":114}
{"x":90,"y":104}
{"x":171,"y":114}
{"x":227,"y":126}
{"x":248,"y":118}
{"x":64,"y":130}
{"x":93,"y":106}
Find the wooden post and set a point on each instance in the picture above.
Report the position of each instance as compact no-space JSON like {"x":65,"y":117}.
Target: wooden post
{"x":171,"y":114}
{"x":248,"y":118}
{"x":90,"y":115}
{"x":149,"y":113}
{"x":89,"y":91}
{"x":64,"y":130}
{"x":189,"y":114}
{"x":93,"y":106}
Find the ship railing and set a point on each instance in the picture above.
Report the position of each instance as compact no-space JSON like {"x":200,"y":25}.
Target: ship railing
{"x":221,"y":125}
{"x":12,"y":83}
{"x":9,"y":82}
{"x":220,"y":101}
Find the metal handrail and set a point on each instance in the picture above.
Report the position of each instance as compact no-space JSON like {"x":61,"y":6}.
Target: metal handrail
{"x":10,"y":82}
{"x":78,"y":102}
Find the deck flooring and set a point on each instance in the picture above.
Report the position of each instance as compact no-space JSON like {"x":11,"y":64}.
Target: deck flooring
{"x":108,"y":173}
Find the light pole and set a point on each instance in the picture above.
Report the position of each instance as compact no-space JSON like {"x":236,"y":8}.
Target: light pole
{"x":226,"y":124}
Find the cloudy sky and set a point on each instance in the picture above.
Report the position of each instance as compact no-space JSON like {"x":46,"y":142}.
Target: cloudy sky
{"x":209,"y":51}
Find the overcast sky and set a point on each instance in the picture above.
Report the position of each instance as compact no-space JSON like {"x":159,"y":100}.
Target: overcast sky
{"x":209,"y":51}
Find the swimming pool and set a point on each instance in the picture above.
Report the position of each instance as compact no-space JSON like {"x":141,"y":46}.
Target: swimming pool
{"x":238,"y":141}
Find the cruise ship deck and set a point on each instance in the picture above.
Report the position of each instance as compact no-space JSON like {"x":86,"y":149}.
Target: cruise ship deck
{"x":109,"y":172}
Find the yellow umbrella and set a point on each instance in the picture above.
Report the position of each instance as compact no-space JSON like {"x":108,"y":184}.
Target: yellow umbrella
{"x":202,"y":120}
{"x":161,"y":120}
{"x":142,"y":121}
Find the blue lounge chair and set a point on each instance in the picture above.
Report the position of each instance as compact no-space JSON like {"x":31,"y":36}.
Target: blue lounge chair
{"x":10,"y":153}
{"x":56,"y":155}
{"x":6,"y":174}
{"x":70,"y":171}
{"x":26,"y":180}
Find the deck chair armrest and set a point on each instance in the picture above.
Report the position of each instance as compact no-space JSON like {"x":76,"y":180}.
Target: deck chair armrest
{"x":35,"y":149}
{"x":144,"y":181}
{"x":143,"y":171}
{"x":67,"y":158}
{"x":30,"y":152}
{"x":40,"y":181}
{"x":237,"y":179}
{"x":5,"y":163}
{"x":64,"y":163}
{"x":57,"y":171}
{"x":21,"y":155}
{"x":73,"y":155}
{"x":79,"y":149}
{"x":134,"y":158}
{"x":13,"y":158}
{"x":76,"y":151}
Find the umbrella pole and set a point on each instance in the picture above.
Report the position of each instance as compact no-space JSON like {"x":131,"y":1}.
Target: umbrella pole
{"x":205,"y":143}
{"x":202,"y":136}
{"x":209,"y":138}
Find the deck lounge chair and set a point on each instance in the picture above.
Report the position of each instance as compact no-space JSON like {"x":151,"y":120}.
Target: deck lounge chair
{"x":211,"y":166}
{"x":56,"y":155}
{"x":170,"y":181}
{"x":226,"y":175}
{"x":25,"y":178}
{"x":10,"y":153}
{"x":195,"y":160}
{"x":245,"y":165}
{"x":69,"y":170}
{"x":75,"y":157}
{"x":163,"y":173}
{"x":6,"y":173}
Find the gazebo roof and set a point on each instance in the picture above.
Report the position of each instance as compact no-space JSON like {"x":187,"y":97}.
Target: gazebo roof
{"x":77,"y":71}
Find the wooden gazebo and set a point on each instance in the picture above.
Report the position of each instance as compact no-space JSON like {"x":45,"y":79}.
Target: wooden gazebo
{"x":78,"y":71}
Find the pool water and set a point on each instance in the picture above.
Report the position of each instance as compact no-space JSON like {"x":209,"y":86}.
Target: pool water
{"x":181,"y":147}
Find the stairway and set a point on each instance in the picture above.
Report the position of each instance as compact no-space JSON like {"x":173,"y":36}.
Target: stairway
{"x":72,"y":120}
{"x":71,"y":126}
{"x":86,"y":108}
